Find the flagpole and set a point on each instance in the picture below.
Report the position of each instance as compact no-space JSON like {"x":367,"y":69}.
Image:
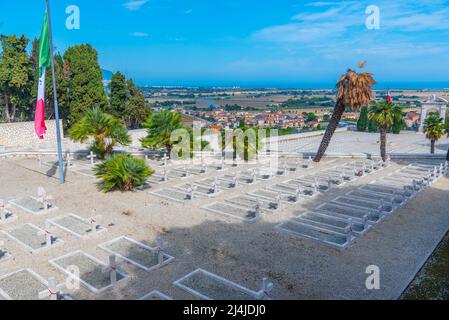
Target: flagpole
{"x":55,"y":97}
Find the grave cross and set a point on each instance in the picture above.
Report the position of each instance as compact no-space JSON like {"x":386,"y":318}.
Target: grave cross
{"x":285,"y":168}
{"x":266,"y":289}
{"x":215,"y":185}
{"x":309,"y":161}
{"x":39,"y":160}
{"x":92,"y":158}
{"x":111,"y":268}
{"x":316,"y":185}
{"x":51,"y":291}
{"x":348,"y":230}
{"x":222,"y":166}
{"x":191,"y":190}
{"x":257,"y":208}
{"x":160,"y":249}
{"x":93,"y":220}
{"x":254,"y":176}
{"x":365,"y":222}
{"x":278,"y":200}
{"x":165,"y":172}
{"x":3,"y":210}
{"x":329,"y":183}
{"x":43,"y":198}
{"x":69,"y":159}
{"x":235,"y":181}
{"x":203,"y":167}
{"x":298,"y":192}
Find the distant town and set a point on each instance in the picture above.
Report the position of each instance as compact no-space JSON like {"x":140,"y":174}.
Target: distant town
{"x":292,"y":110}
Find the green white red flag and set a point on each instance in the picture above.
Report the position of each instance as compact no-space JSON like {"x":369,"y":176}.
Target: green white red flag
{"x":44,"y":63}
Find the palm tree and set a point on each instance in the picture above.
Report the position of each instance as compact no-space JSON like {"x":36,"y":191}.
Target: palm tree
{"x":434,"y":130}
{"x":121,"y":172}
{"x":384,"y":114}
{"x":159,"y":129}
{"x":105,"y":130}
{"x":353,"y":91}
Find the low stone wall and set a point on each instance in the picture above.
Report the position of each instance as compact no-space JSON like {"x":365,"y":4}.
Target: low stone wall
{"x":21,"y":134}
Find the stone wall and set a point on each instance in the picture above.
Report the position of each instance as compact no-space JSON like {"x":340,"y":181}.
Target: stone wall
{"x":21,"y":135}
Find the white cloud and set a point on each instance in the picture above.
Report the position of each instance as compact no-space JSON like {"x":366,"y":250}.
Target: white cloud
{"x":135,"y":5}
{"x":139,"y":34}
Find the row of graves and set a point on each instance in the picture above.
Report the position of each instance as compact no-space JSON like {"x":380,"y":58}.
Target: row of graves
{"x":251,"y":206}
{"x":85,"y":270}
{"x":339,"y":222}
{"x":212,"y":186}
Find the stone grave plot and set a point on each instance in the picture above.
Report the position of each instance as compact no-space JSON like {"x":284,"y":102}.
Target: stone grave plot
{"x":155,"y":295}
{"x":85,"y":171}
{"x":233,"y":211}
{"x":379,"y":187}
{"x":156,"y":178}
{"x":209,"y":286}
{"x":23,"y":284}
{"x":172,"y":194}
{"x":77,"y":226}
{"x":6,"y":215}
{"x":397,"y":199}
{"x":297,"y":228}
{"x":92,"y":273}
{"x":179,"y":173}
{"x":272,"y":196}
{"x":222,"y":184}
{"x":251,"y":202}
{"x":33,"y":238}
{"x":359,"y":215}
{"x":34,"y":205}
{"x":199,"y":189}
{"x":260,"y":173}
{"x":4,"y":254}
{"x":364,"y":203}
{"x":347,"y":175}
{"x":241,"y":179}
{"x":137,"y":253}
{"x":294,"y":186}
{"x":322,"y":184}
{"x":333,"y":223}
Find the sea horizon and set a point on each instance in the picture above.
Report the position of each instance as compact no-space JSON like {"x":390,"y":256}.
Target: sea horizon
{"x":400,"y":85}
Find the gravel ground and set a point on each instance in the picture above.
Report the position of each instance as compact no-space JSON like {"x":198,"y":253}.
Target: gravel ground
{"x":22,"y":285}
{"x":241,"y":252}
{"x":214,"y":288}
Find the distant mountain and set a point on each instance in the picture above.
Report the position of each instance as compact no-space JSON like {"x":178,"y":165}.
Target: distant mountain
{"x":107,"y":75}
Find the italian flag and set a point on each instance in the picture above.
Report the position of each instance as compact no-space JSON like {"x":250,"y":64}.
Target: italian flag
{"x":44,"y":63}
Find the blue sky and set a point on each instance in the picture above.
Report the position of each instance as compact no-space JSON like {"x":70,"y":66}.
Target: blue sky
{"x":249,"y":41}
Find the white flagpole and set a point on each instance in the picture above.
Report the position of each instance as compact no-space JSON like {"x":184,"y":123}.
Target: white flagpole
{"x":55,"y":96}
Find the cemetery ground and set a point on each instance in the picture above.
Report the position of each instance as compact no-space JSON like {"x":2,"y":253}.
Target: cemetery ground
{"x":239,"y":251}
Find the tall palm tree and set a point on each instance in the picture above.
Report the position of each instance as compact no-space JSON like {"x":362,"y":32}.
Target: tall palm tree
{"x":353,"y":91}
{"x":384,"y":114}
{"x":159,"y":129}
{"x":105,"y":130}
{"x":434,"y":130}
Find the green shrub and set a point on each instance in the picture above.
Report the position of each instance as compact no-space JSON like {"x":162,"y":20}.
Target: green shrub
{"x":122,"y":172}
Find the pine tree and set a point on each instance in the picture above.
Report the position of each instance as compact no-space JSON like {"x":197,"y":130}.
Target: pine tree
{"x":85,"y":85}
{"x":362,"y":123}
{"x":15,"y":76}
{"x":118,"y":95}
{"x":136,"y":110}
